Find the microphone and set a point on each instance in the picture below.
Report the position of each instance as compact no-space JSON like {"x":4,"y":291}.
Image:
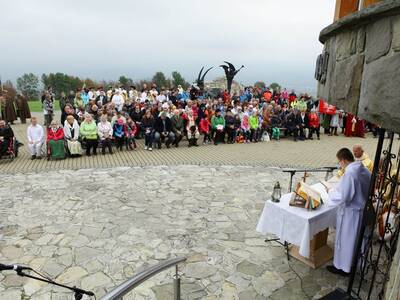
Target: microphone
{"x":13,"y":267}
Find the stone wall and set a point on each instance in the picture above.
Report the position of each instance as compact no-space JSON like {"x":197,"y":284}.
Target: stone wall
{"x":363,"y":74}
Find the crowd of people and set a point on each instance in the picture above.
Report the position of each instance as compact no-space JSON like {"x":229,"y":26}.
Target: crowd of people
{"x":116,"y":117}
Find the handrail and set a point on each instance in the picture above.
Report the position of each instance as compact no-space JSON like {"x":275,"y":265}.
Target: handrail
{"x":130,"y":284}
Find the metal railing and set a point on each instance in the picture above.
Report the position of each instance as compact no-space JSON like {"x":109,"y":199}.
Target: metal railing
{"x":141,"y":277}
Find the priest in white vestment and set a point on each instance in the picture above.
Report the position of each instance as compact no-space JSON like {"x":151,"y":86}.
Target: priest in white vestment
{"x":350,"y":195}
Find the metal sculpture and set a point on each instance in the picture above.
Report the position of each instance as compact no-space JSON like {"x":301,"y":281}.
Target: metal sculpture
{"x":200,"y":79}
{"x":230,"y":73}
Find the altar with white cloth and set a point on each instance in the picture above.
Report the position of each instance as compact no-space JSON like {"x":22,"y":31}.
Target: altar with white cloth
{"x":306,"y":230}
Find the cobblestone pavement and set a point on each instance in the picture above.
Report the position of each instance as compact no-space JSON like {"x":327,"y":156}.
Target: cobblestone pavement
{"x":96,"y":227}
{"x":284,"y":153}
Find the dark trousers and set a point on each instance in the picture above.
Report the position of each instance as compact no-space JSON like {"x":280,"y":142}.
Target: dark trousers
{"x":148,"y":139}
{"x":178,"y":139}
{"x":313,"y":130}
{"x":231,"y":134}
{"x":106,"y":143}
{"x":129,"y":141}
{"x":4,"y":146}
{"x":219,"y":136}
{"x":120,"y":141}
{"x":254,"y":135}
{"x":91,"y":144}
{"x":207,"y":138}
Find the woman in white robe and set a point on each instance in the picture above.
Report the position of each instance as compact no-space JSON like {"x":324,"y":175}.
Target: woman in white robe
{"x":350,"y":195}
{"x":71,"y":135}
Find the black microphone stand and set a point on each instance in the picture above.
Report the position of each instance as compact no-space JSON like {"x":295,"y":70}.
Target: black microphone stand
{"x":78,"y":293}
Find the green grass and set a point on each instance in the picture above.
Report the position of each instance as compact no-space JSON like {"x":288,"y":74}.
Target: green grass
{"x":36,"y":105}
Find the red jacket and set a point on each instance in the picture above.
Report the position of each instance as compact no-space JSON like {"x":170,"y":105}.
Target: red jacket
{"x":55,"y":136}
{"x":204,"y":125}
{"x":313,"y":120}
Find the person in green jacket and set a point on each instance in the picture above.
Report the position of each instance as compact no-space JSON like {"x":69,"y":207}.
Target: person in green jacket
{"x":88,"y":133}
{"x":218,"y":127}
{"x":253,"y":121}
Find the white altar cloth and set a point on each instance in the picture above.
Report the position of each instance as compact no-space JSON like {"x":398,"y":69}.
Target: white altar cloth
{"x":297,"y":225}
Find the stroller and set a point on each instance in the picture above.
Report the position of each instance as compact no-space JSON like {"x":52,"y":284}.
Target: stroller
{"x":12,"y":150}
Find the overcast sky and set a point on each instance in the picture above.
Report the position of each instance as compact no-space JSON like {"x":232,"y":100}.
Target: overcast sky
{"x":276,"y":40}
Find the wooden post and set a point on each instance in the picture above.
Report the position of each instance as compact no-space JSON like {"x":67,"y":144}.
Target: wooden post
{"x":346,"y":7}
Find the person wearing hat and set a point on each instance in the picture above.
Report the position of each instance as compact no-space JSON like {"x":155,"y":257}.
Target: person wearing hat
{"x":163,"y":131}
{"x":218,"y":127}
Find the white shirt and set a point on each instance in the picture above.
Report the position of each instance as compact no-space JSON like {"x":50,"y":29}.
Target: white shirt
{"x":35,"y":133}
{"x":103,"y":129}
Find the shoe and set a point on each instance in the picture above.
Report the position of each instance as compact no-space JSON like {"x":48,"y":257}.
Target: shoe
{"x":337,"y":271}
{"x":176,"y":145}
{"x":33,"y":157}
{"x":38,"y":157}
{"x":150,"y":149}
{"x":310,"y":138}
{"x":168,"y":146}
{"x":145,"y":147}
{"x":89,"y":154}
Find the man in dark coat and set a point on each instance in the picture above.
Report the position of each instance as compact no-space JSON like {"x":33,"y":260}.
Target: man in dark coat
{"x":23,"y":110}
{"x":163,"y":131}
{"x":8,"y":113}
{"x":293,"y":124}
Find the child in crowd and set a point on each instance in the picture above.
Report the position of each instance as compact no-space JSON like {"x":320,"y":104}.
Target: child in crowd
{"x":253,"y":121}
{"x":119,"y":132}
{"x":246,"y":128}
{"x":130,"y":134}
{"x":205,"y":130}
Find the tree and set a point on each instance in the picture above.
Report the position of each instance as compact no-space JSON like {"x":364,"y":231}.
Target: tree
{"x":260,"y":85}
{"x":275,"y":86}
{"x":125,"y":81}
{"x":159,"y":79}
{"x":28,"y":84}
{"x":177,"y":79}
{"x":64,"y":83}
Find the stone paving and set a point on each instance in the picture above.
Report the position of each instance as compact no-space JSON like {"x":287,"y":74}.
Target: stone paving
{"x":97,"y":227}
{"x":96,"y":221}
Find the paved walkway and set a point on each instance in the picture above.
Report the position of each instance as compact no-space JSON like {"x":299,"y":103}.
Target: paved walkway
{"x":95,"y":228}
{"x":284,"y":153}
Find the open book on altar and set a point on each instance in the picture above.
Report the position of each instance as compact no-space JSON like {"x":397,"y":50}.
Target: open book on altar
{"x":306,"y":196}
